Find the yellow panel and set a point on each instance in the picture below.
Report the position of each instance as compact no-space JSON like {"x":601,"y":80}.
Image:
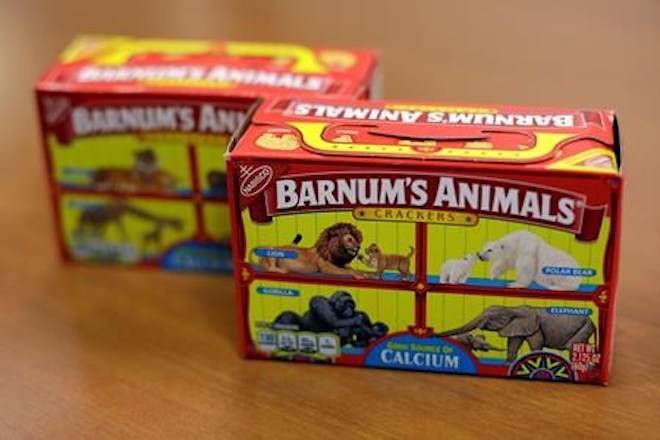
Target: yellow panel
{"x":452,"y":242}
{"x":74,"y":163}
{"x":216,"y":220}
{"x":139,"y":224}
{"x":392,"y":307}
{"x":391,"y":237}
{"x":447,"y":311}
{"x":210,"y":158}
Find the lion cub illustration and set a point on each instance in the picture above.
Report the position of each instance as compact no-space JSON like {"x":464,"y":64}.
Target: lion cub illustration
{"x":376,"y":259}
{"x":145,"y":175}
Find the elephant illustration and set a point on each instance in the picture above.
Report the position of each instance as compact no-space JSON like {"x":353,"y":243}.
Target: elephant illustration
{"x":534,"y":325}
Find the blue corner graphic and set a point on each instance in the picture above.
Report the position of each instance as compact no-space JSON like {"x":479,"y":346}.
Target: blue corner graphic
{"x":198,"y":257}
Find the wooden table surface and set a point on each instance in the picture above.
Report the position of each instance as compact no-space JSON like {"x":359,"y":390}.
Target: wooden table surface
{"x":91,"y":352}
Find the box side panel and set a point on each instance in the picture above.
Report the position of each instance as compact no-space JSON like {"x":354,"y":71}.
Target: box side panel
{"x":141,"y":180}
{"x":144,"y":232}
{"x":241,"y":277}
{"x":120,"y":64}
{"x":410,"y":269}
{"x":47,"y":109}
{"x":613,"y":274}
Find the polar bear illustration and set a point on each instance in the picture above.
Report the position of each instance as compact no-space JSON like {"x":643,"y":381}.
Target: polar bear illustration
{"x":457,"y":271}
{"x":528,"y":254}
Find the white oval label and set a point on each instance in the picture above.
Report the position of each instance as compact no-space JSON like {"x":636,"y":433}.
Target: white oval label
{"x":256,"y":180}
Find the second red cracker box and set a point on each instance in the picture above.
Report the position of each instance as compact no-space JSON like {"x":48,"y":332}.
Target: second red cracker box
{"x":134,"y":131}
{"x":465,"y":239}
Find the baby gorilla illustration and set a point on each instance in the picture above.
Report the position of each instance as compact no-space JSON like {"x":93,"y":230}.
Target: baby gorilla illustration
{"x":336,"y":314}
{"x":376,"y":259}
{"x":457,"y":271}
{"x":528,"y":254}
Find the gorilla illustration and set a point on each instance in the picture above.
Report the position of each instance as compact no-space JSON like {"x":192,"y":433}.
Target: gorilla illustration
{"x":337,"y":315}
{"x":216,"y":181}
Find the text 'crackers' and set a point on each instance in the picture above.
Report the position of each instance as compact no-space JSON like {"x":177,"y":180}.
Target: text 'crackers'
{"x":134,"y":132}
{"x":445,"y":238}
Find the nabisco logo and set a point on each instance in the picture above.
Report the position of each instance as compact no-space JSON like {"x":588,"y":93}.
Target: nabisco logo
{"x":55,"y":109}
{"x":254,"y":179}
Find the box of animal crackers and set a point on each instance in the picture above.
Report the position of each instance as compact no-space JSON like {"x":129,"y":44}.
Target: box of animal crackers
{"x":476,"y":240}
{"x":134,"y":132}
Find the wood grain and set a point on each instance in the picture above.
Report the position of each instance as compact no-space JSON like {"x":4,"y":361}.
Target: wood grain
{"x":104,"y":353}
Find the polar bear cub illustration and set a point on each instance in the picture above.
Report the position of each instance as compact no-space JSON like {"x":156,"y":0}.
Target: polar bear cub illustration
{"x":528,"y":254}
{"x":457,"y":271}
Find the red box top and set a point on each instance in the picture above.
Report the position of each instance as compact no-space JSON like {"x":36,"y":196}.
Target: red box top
{"x":119,"y":64}
{"x":464,"y":135}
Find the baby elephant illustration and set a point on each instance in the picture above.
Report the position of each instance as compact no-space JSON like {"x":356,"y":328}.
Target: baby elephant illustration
{"x":457,"y":271}
{"x":476,"y":342}
{"x":534,"y":325}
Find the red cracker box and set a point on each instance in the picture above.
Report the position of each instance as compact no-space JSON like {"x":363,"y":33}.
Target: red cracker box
{"x":134,"y":131}
{"x":460,"y":239}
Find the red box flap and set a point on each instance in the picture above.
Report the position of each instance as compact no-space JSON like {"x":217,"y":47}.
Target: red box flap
{"x":124,"y":64}
{"x":547,"y":138}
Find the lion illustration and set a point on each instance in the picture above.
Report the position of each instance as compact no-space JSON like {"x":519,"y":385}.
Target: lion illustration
{"x":144,"y":175}
{"x":336,"y":247}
